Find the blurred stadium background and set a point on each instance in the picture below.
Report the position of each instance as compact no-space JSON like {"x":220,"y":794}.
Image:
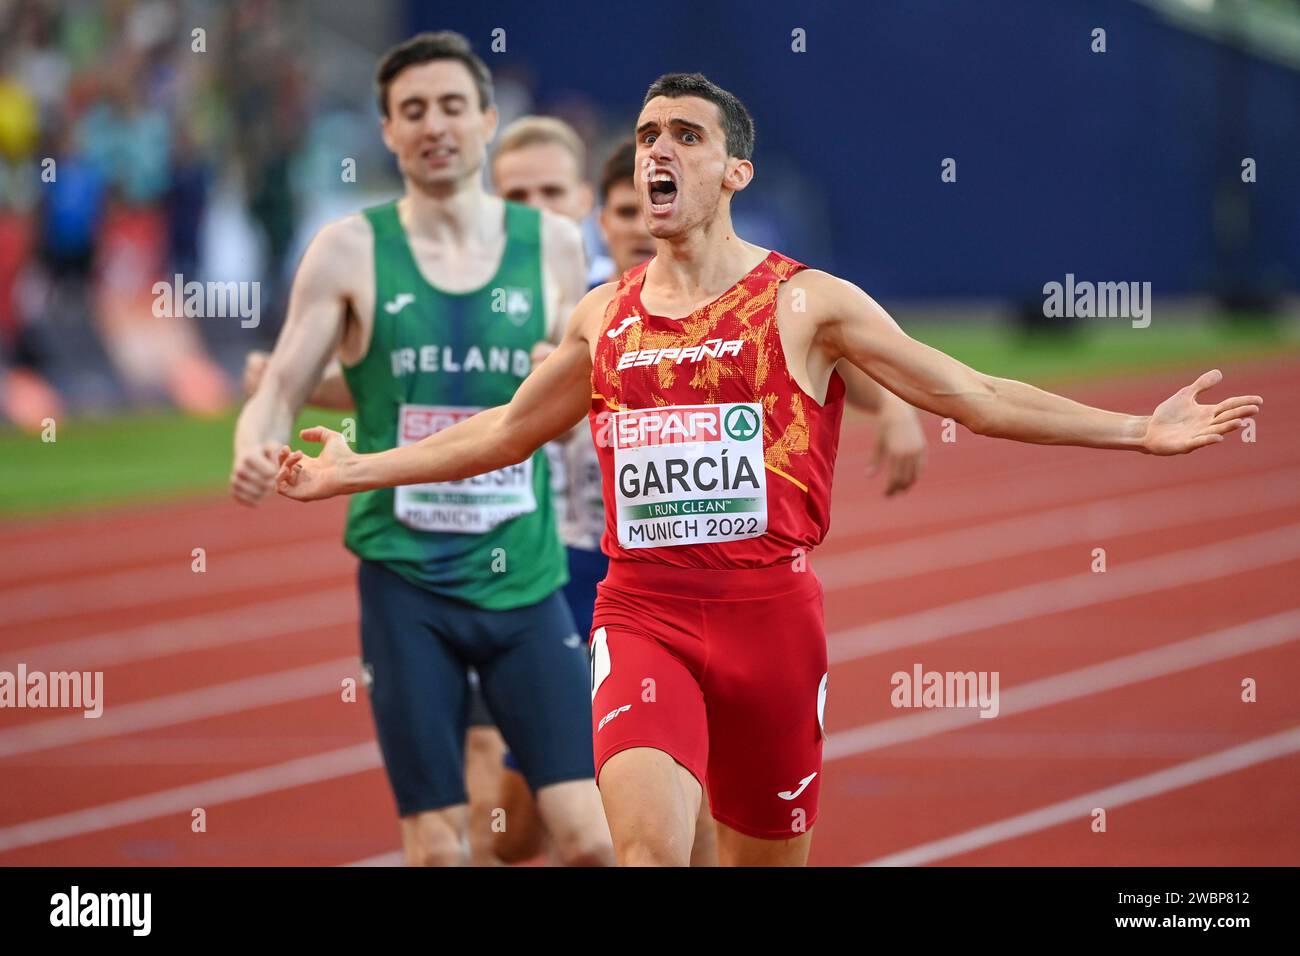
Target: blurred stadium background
{"x":220,"y":163}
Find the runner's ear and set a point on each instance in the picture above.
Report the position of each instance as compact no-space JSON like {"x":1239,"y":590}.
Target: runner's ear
{"x":739,"y":174}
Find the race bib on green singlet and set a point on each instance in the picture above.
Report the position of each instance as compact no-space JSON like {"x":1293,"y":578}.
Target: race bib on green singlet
{"x":689,"y":474}
{"x":469,"y":506}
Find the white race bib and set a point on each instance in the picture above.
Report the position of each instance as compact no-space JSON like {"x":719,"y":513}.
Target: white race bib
{"x":689,"y":474}
{"x":469,"y":506}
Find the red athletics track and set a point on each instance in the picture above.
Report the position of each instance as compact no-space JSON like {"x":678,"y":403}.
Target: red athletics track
{"x":1118,"y":690}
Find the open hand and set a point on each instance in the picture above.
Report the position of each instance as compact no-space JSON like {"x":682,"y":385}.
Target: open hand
{"x":304,"y":478}
{"x":1180,"y":424}
{"x":900,"y":448}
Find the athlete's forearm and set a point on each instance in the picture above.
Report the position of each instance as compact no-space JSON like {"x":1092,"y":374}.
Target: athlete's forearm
{"x":477,"y":445}
{"x":1021,"y":412}
{"x":856,"y":328}
{"x":266,"y":417}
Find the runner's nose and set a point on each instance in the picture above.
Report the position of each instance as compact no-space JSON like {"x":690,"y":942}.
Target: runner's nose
{"x":436,"y":126}
{"x":661,"y":153}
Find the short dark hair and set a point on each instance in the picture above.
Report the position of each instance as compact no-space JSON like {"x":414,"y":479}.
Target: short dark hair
{"x":426,"y":48}
{"x":736,"y":121}
{"x":620,"y":166}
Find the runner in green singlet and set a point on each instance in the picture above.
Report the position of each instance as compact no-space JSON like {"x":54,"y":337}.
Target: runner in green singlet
{"x":433,"y":303}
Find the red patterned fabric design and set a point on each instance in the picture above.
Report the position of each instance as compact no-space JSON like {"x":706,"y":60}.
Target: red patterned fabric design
{"x":728,"y":351}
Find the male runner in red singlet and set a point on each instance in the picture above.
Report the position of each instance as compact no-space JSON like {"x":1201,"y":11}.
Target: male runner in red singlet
{"x":709,"y":377}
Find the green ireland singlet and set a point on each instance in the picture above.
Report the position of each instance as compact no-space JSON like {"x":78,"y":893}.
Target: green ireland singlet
{"x":435,"y":358}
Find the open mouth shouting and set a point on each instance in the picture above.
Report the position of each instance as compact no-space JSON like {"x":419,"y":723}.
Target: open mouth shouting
{"x":663,"y":193}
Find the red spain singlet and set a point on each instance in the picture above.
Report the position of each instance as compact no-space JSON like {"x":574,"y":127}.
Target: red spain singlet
{"x":712,"y":456}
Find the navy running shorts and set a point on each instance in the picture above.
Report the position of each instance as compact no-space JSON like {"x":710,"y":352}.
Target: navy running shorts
{"x":586,"y":570}
{"x":416,"y":649}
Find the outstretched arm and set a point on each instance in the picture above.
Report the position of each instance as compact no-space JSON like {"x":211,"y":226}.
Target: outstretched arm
{"x":850,"y":325}
{"x":550,"y":401}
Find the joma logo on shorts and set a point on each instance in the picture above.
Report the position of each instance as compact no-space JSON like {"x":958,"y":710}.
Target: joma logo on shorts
{"x":667,"y":426}
{"x":713,"y":348}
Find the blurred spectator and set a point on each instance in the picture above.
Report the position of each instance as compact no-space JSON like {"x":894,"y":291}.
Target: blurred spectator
{"x":187,"y":198}
{"x":267,"y":88}
{"x":135,"y":148}
{"x":113,"y":121}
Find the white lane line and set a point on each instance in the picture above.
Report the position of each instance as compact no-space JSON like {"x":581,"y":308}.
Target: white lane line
{"x":1020,"y":604}
{"x":317,"y":768}
{"x":1162,"y":661}
{"x":249,"y":622}
{"x":172,"y":581}
{"x":1121,"y":516}
{"x":275,"y":561}
{"x":958,"y":496}
{"x":329,"y":607}
{"x":1078,"y":809}
{"x":1171,"y":570}
{"x":68,"y":553}
{"x":1206,"y":648}
{"x":215,"y":700}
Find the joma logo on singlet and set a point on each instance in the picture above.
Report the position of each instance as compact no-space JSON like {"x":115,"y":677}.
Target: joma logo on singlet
{"x":713,"y":348}
{"x":672,"y":426}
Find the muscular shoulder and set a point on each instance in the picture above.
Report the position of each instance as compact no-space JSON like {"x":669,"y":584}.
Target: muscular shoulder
{"x":598,"y":299}
{"x":350,"y":235}
{"x":820,"y":298}
{"x":339,"y":248}
{"x":591,"y":310}
{"x":820,"y":291}
{"x":601,"y":295}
